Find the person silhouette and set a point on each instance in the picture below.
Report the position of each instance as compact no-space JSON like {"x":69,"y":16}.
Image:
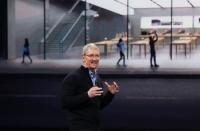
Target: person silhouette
{"x":121,"y":48}
{"x":153,"y":37}
{"x":26,"y":51}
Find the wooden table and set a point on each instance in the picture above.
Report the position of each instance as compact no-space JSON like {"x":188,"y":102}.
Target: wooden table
{"x":105,"y":44}
{"x":123,"y":38}
{"x":193,"y":40}
{"x":139,"y":43}
{"x":145,"y":43}
{"x":184,"y":43}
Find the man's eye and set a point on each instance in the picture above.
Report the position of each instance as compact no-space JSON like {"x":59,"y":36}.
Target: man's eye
{"x":93,"y":56}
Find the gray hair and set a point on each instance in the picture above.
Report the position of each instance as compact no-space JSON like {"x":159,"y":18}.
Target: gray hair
{"x":89,"y":47}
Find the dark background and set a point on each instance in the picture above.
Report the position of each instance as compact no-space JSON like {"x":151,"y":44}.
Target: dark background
{"x":3,"y":30}
{"x":31,"y":101}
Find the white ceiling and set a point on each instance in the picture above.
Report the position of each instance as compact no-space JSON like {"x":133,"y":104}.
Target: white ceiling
{"x":163,"y":3}
{"x":119,"y":6}
{"x":111,"y":5}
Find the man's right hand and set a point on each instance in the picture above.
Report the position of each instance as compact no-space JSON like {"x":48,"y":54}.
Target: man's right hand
{"x":95,"y":91}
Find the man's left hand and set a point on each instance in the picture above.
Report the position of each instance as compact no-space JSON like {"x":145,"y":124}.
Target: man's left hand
{"x":113,"y":87}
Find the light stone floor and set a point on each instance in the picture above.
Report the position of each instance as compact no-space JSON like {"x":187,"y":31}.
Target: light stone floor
{"x":137,"y":63}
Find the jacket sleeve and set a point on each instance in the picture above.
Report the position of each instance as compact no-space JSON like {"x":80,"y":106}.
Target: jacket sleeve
{"x":106,"y":99}
{"x":69,"y":99}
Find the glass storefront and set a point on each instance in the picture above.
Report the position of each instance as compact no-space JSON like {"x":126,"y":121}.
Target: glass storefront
{"x":69,"y":25}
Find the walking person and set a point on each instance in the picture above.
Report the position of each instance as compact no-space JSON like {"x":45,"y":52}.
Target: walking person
{"x":121,"y":48}
{"x":26,"y":51}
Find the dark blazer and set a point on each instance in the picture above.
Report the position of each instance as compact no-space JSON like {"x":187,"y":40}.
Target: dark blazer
{"x":83,"y":112}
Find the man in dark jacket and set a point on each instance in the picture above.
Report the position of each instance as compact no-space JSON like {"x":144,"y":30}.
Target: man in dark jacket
{"x":82,"y":93}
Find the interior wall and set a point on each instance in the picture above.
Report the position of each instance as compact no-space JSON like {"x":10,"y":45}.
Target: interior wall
{"x":106,"y":25}
{"x":160,"y":12}
{"x":30,"y":22}
{"x":11,"y":29}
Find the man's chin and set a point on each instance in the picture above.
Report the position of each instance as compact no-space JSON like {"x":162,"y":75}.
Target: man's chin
{"x":93,"y":67}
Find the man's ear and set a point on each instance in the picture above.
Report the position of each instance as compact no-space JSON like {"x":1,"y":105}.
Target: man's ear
{"x":83,"y":58}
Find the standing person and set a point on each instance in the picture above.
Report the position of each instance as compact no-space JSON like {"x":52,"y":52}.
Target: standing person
{"x":26,"y":51}
{"x":153,"y":37}
{"x":82,"y":94}
{"x":121,"y":48}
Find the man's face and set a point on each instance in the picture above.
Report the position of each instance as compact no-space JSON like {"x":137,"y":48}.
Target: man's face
{"x":91,"y":59}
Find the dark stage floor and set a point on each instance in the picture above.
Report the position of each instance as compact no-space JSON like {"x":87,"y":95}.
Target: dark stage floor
{"x":158,"y":99}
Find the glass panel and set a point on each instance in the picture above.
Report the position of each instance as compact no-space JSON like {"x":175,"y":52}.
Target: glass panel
{"x":196,"y":3}
{"x":185,"y":28}
{"x":29,"y":24}
{"x":65,"y":28}
{"x":116,"y":6}
{"x":142,"y":4}
{"x":164,"y":3}
{"x":180,"y":3}
{"x":69,"y":27}
{"x":105,"y":27}
{"x":176,"y":3}
{"x":145,"y":22}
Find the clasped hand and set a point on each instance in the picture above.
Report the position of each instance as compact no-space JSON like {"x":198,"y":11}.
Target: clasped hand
{"x":95,"y":91}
